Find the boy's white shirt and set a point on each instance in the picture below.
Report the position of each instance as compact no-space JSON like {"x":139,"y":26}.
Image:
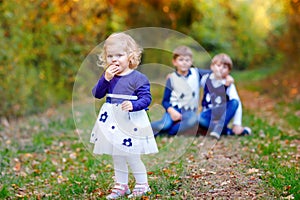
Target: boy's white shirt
{"x":232,"y":94}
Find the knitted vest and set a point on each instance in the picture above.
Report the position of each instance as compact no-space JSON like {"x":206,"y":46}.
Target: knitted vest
{"x":185,"y":93}
{"x":214,"y":94}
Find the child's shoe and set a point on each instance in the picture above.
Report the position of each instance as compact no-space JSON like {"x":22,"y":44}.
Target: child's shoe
{"x":216,"y":131}
{"x":215,"y":135}
{"x":246,"y":131}
{"x":140,"y":190}
{"x":229,"y":132}
{"x":119,"y":190}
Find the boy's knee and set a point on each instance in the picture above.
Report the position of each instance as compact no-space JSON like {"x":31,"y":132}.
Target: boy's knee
{"x":192,"y":121}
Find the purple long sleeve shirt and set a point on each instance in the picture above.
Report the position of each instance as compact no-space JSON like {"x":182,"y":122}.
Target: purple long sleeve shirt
{"x":133,"y":84}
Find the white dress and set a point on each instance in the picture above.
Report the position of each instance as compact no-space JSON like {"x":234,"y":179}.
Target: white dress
{"x":118,"y":132}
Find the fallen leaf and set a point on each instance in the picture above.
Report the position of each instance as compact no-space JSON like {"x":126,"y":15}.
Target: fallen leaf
{"x":288,"y":197}
{"x":93,"y":176}
{"x":98,"y":192}
{"x":73,"y":156}
{"x":17,"y":167}
{"x":287,"y":187}
{"x":252,"y":171}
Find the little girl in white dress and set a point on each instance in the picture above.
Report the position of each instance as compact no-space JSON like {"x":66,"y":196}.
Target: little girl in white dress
{"x":122,"y":128}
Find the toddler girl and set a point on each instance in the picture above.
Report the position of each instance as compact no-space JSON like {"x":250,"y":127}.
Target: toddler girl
{"x":122,"y":128}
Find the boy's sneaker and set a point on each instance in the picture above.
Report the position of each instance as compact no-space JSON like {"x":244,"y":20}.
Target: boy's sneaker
{"x":140,"y":190}
{"x":246,"y":131}
{"x":119,"y":190}
{"x":228,"y":132}
{"x":215,"y":135}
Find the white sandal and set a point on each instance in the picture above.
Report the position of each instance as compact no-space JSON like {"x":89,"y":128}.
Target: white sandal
{"x":118,"y":190}
{"x":140,"y":190}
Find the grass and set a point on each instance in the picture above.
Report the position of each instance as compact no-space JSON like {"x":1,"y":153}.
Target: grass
{"x":49,"y":157}
{"x":56,"y":164}
{"x":276,"y":153}
{"x":290,"y":112}
{"x":275,"y":149}
{"x":250,"y":78}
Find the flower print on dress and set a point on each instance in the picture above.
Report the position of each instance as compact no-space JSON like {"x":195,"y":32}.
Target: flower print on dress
{"x":103,"y":117}
{"x":127,"y":142}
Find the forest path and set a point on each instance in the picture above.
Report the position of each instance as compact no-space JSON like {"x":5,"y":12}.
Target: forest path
{"x":222,"y":169}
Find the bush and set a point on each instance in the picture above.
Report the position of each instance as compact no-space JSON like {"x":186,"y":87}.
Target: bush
{"x":42,"y":46}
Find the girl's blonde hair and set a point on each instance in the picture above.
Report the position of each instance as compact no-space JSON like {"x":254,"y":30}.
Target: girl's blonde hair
{"x":223,"y":58}
{"x":133,"y":50}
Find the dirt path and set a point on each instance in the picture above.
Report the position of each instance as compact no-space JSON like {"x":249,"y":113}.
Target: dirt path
{"x":221,"y":170}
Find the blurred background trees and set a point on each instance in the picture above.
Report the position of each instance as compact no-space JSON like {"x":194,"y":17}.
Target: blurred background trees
{"x":43,"y":42}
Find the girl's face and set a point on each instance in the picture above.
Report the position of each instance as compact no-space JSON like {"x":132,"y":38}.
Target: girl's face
{"x":116,"y":56}
{"x":183,"y":64}
{"x":220,"y":70}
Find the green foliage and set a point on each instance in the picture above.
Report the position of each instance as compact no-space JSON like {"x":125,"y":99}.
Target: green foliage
{"x":43,"y":43}
{"x":239,"y":28}
{"x":42,"y":46}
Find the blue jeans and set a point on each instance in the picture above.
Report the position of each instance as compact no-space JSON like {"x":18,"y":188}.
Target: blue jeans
{"x":217,"y":119}
{"x":166,"y":124}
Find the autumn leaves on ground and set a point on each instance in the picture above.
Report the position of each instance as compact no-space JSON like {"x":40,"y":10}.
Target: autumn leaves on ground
{"x":43,"y":158}
{"x":226,"y":171}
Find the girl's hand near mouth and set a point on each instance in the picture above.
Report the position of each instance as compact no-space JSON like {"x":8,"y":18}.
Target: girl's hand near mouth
{"x":111,"y":71}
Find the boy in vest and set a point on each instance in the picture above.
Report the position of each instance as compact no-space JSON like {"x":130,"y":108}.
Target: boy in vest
{"x":181,"y":95}
{"x":221,"y":103}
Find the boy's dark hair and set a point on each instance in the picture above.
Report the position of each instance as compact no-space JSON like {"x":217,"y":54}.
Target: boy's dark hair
{"x":182,"y":51}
